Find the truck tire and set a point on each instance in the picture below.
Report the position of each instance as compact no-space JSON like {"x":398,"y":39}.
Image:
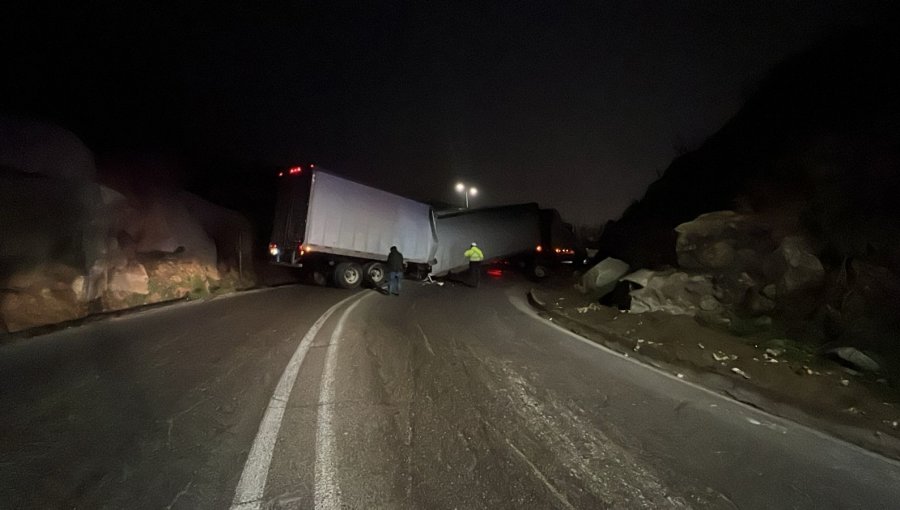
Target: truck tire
{"x":348,"y":275}
{"x":319,"y":278}
{"x":375,"y":274}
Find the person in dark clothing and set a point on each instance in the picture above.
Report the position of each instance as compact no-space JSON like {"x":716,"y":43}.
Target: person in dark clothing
{"x":395,"y":271}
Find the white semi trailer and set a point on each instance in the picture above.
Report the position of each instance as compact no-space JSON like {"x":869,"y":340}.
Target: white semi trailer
{"x":342,"y":231}
{"x":500,"y":232}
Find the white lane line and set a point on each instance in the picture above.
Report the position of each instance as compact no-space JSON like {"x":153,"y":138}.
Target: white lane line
{"x":537,"y":472}
{"x":427,"y":344}
{"x":327,"y":492}
{"x":249,"y":492}
{"x":522,"y":305}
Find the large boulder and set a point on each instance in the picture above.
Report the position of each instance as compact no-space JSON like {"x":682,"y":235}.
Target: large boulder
{"x":795,"y":267}
{"x":603,"y":277}
{"x":131,"y":279}
{"x":46,"y":294}
{"x":722,"y":241}
{"x":162,"y":223}
{"x":43,"y":149}
{"x":673,"y":292}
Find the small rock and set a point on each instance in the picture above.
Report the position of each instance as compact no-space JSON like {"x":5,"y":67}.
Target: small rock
{"x":740,"y":372}
{"x":709,"y":303}
{"x":845,"y":382}
{"x":720,"y":356}
{"x":700,"y":345}
{"x":774,"y":351}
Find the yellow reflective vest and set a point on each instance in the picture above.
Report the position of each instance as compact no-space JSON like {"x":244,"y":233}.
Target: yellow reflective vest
{"x":474,"y":254}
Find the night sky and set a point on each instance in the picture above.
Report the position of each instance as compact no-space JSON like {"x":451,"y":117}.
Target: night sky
{"x":577,"y":107}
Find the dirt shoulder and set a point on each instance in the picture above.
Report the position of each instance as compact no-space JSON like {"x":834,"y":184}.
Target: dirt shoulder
{"x":774,"y":376}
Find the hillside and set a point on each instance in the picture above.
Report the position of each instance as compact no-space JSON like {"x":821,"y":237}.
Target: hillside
{"x":789,"y":215}
{"x":816,"y":144}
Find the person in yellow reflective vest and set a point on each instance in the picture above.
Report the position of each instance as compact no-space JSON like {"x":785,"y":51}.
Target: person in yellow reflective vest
{"x":475,"y":256}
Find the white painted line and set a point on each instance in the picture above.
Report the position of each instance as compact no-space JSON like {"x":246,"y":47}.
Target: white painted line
{"x":784,"y":423}
{"x":427,"y":344}
{"x":249,"y":492}
{"x":537,"y":472}
{"x":327,"y":491}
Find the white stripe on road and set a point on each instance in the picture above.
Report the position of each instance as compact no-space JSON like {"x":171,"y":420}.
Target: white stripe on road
{"x":780,"y":422}
{"x":249,"y":492}
{"x":327,"y":492}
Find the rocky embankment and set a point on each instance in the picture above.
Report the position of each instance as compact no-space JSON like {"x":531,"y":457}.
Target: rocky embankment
{"x":72,"y":246}
{"x":785,"y":224}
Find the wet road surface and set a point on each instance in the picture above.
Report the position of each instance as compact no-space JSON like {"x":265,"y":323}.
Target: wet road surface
{"x":444,"y":397}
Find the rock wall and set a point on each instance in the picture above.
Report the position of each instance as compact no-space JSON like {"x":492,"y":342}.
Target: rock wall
{"x":791,"y":209}
{"x":70,"y":246}
{"x":738,"y":272}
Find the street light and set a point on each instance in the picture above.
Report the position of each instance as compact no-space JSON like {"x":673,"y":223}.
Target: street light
{"x":461,"y":188}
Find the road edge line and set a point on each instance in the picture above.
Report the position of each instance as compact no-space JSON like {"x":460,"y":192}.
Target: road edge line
{"x":326,"y":493}
{"x":781,"y":420}
{"x":252,"y":484}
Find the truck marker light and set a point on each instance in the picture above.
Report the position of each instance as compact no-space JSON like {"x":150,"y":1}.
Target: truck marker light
{"x":539,"y":248}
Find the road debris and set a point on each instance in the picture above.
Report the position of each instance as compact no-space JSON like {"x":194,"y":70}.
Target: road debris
{"x":810,"y":371}
{"x":721,"y":356}
{"x":856,"y":358}
{"x":740,"y":372}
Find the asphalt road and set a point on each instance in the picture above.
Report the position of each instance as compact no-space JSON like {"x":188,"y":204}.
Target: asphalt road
{"x":444,"y":397}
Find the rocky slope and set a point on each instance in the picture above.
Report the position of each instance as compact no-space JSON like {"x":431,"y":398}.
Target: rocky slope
{"x":72,"y":246}
{"x":805,"y":235}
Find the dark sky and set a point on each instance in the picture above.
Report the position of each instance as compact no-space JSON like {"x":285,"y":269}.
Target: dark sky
{"x":574,"y":105}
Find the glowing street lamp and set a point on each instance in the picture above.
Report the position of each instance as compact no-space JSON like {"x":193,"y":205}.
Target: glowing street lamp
{"x":467,"y":191}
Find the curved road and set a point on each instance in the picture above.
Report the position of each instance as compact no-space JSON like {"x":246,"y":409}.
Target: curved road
{"x":444,"y":397}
